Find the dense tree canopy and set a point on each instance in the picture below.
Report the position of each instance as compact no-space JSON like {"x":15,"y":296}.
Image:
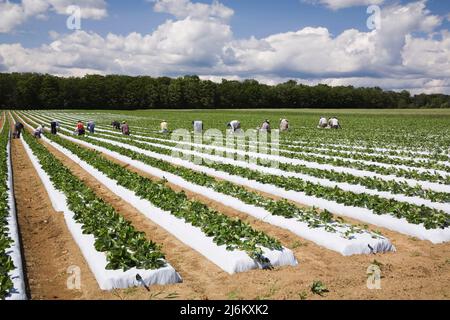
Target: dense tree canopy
{"x":38,"y":91}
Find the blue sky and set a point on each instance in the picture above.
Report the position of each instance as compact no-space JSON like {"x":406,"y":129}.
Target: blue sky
{"x":259,"y":18}
{"x":376,"y":59}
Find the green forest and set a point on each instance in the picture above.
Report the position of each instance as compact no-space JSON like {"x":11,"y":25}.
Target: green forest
{"x":44,"y":91}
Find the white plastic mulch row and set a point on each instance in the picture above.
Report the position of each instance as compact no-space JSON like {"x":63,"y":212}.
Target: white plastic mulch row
{"x":360,"y":173}
{"x":17,"y":277}
{"x":324,"y":182}
{"x":230,"y":261}
{"x":361,"y":243}
{"x":327,"y":145}
{"x":106,"y":279}
{"x":356,"y":172}
{"x":378,"y":151}
{"x":362,"y":214}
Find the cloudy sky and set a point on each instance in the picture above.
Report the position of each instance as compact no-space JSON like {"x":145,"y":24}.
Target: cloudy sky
{"x":336,"y":42}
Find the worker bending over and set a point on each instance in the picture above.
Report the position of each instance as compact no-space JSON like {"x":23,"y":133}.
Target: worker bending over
{"x":38,"y":131}
{"x":323,"y":123}
{"x":164,"y":127}
{"x":284,"y":125}
{"x":234,"y":126}
{"x":125,"y":128}
{"x":265,"y":127}
{"x":334,"y":123}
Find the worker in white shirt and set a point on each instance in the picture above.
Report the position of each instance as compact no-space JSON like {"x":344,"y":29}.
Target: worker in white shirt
{"x":284,"y":125}
{"x":334,"y":123}
{"x":323,"y":123}
{"x":164,"y":127}
{"x":234,"y":126}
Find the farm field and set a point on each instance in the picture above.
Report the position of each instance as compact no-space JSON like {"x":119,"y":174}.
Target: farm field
{"x":264,"y":221}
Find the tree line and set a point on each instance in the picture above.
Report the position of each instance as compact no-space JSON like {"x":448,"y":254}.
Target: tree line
{"x":44,"y":91}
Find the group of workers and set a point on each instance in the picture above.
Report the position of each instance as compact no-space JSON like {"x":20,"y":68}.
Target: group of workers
{"x":124,"y":127}
{"x":233,"y":126}
{"x":332,"y":123}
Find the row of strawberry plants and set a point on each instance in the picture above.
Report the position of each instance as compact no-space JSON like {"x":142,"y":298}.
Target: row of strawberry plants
{"x":233,"y":233}
{"x":368,"y":182}
{"x":431,"y":218}
{"x":124,"y":246}
{"x":371,"y":150}
{"x":6,"y":262}
{"x":350,"y":137}
{"x":400,"y":172}
{"x":299,"y":152}
{"x":335,"y":151}
{"x":290,"y":151}
{"x":371,"y":183}
{"x":311,"y":217}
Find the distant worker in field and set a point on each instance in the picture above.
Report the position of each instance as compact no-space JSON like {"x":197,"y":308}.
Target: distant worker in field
{"x":164,"y":127}
{"x":91,"y":126}
{"x":116,"y":125}
{"x":265,"y":127}
{"x":334,"y":123}
{"x":17,"y":130}
{"x":234,"y":126}
{"x":125,"y":128}
{"x":38,"y":131}
{"x":284,"y":125}
{"x":323,"y":123}
{"x":198,"y":126}
{"x":54,"y":125}
{"x":79,"y":129}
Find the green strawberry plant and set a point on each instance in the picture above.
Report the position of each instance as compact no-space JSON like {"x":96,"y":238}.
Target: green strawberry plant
{"x":6,"y":263}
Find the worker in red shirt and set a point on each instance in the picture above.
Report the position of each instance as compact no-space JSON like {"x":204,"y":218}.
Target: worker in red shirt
{"x":80,"y":128}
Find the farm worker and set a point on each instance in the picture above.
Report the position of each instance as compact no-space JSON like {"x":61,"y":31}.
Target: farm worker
{"x":265,"y":126}
{"x":91,"y":126}
{"x":323,"y":123}
{"x":125,"y":128}
{"x":164,"y":127}
{"x":334,"y":123}
{"x":80,"y":128}
{"x":115,"y":125}
{"x":54,"y":125}
{"x":234,"y":126}
{"x":284,"y":125}
{"x":17,"y":130}
{"x":38,"y":131}
{"x":198,"y":126}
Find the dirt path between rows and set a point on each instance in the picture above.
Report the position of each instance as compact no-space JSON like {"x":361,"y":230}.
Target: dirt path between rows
{"x":418,"y":270}
{"x":48,"y":248}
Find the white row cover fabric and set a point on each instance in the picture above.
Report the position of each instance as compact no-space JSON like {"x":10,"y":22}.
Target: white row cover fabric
{"x":106,"y":279}
{"x":229,"y":261}
{"x":361,"y":243}
{"x":356,"y":172}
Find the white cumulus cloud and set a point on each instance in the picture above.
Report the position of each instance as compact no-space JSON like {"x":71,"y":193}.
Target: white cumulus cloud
{"x":14,"y":14}
{"x":340,"y":4}
{"x":185,"y":8}
{"x":409,"y":51}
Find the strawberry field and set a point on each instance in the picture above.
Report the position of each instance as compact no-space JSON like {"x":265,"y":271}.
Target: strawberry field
{"x":184,"y":215}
